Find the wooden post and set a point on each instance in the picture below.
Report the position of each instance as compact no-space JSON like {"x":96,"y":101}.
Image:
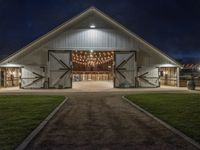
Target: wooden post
{"x":178,"y":77}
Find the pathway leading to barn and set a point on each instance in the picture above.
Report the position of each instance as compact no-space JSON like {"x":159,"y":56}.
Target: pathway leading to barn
{"x":91,"y":121}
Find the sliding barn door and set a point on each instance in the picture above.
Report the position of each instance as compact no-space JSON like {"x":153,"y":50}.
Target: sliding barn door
{"x":60,"y":69}
{"x":32,"y":76}
{"x":124,"y":69}
{"x":148,"y":77}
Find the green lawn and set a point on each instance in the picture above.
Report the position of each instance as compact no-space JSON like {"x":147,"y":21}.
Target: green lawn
{"x":182,"y":111}
{"x":19,"y":115}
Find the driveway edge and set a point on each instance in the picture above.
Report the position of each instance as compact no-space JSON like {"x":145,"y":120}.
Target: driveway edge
{"x":35,"y":132}
{"x":177,"y":132}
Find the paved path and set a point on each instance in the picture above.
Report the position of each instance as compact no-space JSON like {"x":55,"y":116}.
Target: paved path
{"x":103,"y":121}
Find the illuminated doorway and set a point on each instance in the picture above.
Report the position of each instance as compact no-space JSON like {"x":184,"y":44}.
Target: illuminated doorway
{"x":92,"y":66}
{"x":10,"y":77}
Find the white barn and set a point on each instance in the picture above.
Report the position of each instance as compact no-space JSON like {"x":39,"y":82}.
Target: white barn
{"x":90,"y":46}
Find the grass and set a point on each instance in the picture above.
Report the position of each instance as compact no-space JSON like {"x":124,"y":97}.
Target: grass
{"x":182,"y":111}
{"x":19,"y":115}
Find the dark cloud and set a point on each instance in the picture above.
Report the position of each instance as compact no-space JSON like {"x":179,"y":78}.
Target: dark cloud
{"x":171,"y":25}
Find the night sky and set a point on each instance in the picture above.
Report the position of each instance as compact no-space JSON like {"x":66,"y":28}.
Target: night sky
{"x":171,"y":25}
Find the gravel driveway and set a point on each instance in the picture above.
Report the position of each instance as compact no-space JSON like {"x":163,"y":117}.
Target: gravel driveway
{"x":103,"y":121}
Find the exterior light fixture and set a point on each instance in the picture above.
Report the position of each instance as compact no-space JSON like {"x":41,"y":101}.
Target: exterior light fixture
{"x":92,"y":26}
{"x":199,"y":68}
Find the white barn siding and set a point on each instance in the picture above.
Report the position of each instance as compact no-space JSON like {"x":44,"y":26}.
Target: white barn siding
{"x":97,"y":39}
{"x":146,"y":56}
{"x":35,"y":57}
{"x":82,"y":39}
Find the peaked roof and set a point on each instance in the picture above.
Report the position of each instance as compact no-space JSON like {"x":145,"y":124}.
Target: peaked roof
{"x":73,"y":20}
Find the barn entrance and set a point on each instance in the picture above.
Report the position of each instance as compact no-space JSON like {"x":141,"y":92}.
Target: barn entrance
{"x":98,"y":68}
{"x":114,"y":69}
{"x":92,"y":68}
{"x":168,"y":76}
{"x":10,"y":77}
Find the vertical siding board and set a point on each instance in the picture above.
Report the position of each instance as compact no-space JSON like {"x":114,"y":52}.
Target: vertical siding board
{"x":66,"y":38}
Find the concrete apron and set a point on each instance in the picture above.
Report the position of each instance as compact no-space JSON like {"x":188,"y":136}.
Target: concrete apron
{"x":91,"y":86}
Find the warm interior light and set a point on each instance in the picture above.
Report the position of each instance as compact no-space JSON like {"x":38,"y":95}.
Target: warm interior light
{"x":92,"y":26}
{"x":92,"y":59}
{"x":198,"y":68}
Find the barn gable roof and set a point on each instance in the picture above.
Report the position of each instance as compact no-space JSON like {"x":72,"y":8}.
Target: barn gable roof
{"x":75,"y":19}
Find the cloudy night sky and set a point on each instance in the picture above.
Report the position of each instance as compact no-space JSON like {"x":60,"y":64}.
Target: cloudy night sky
{"x":171,"y":25}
